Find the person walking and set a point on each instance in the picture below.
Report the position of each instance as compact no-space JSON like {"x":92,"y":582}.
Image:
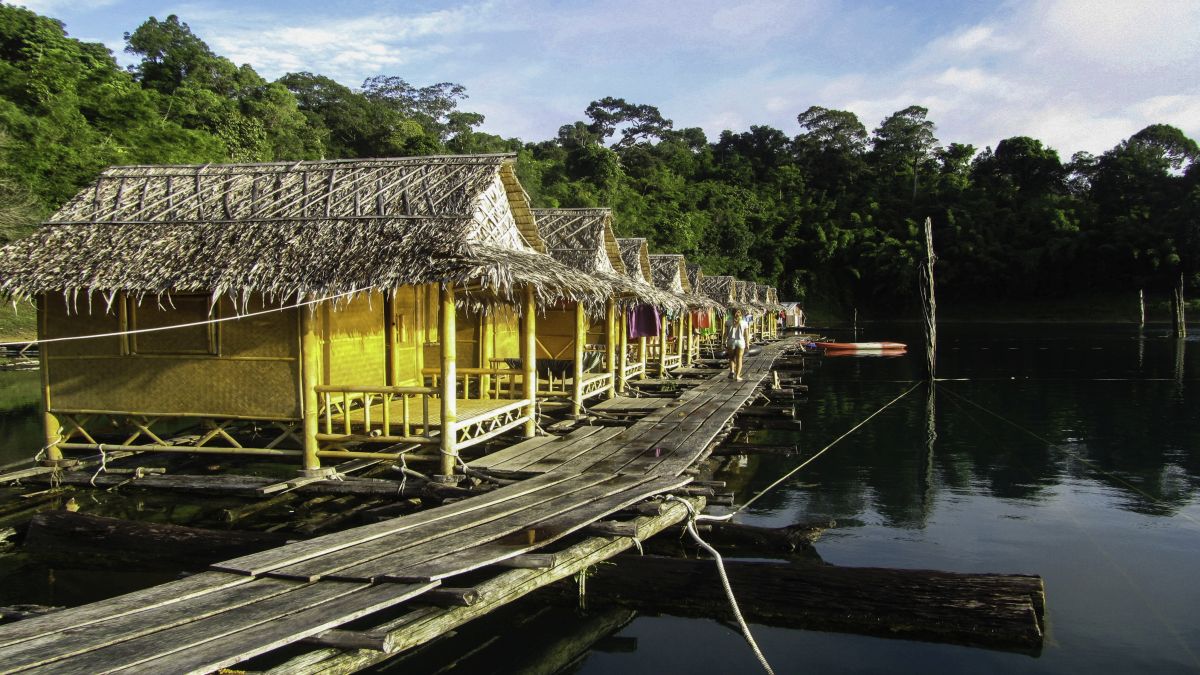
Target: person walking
{"x":735,"y":342}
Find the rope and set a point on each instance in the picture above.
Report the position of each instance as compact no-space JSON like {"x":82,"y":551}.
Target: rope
{"x":181,"y":325}
{"x":733,"y":605}
{"x":810,"y":460}
{"x":103,"y":464}
{"x":1080,"y":458}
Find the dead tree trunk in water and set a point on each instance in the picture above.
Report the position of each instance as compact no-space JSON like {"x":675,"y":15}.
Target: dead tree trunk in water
{"x":1178,"y":310}
{"x":929,"y":303}
{"x":999,"y":611}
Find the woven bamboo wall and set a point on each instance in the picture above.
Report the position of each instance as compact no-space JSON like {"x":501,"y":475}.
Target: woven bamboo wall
{"x":556,"y":334}
{"x":256,"y":373}
{"x":353,"y":341}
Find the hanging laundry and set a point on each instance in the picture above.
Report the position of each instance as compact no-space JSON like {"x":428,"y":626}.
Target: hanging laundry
{"x":644,"y":321}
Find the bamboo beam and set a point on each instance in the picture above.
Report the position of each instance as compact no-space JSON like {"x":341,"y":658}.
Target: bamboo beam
{"x":642,"y":354}
{"x":529,"y":358}
{"x":486,"y":351}
{"x":581,"y":326}
{"x":610,"y":347}
{"x":449,"y":403}
{"x":51,"y":428}
{"x":310,"y":359}
{"x":622,"y":351}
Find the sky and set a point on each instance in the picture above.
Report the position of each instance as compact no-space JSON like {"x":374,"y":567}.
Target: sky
{"x":1075,"y":74}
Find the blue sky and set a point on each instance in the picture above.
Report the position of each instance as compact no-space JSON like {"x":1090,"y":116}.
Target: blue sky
{"x":1076,"y":74}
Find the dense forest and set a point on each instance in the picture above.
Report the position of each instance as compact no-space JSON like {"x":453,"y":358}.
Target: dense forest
{"x":830,"y":213}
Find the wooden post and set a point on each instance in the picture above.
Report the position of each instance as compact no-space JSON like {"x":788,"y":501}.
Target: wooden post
{"x":679,"y":336}
{"x":529,"y":358}
{"x":663,"y":346}
{"x":1141,"y":308}
{"x":610,"y":346}
{"x":930,"y":303}
{"x":688,"y":334}
{"x":581,"y":330}
{"x":389,"y":341}
{"x":486,"y":350}
{"x":51,"y":427}
{"x":1179,"y":316}
{"x":642,"y":354}
{"x":623,"y":352}
{"x":449,"y":380}
{"x":310,"y":372}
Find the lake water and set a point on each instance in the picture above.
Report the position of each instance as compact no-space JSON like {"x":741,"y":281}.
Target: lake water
{"x":1072,"y":452}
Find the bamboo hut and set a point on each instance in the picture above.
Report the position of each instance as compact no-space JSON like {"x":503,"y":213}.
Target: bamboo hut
{"x":703,"y":320}
{"x":642,"y":321}
{"x":719,"y":289}
{"x":767,"y":321}
{"x":329,"y":307}
{"x":669,"y":273}
{"x":588,"y":347}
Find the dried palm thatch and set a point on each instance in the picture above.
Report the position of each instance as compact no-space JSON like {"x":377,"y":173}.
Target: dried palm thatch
{"x":743,"y":298}
{"x":583,"y":239}
{"x":670,"y":270}
{"x":302,"y":230}
{"x":635,"y":253}
{"x":773,"y":300}
{"x":719,"y":289}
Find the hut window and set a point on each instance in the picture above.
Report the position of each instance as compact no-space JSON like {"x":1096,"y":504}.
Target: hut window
{"x":177,"y":310}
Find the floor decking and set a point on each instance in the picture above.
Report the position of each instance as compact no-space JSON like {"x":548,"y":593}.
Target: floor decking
{"x":256,"y":603}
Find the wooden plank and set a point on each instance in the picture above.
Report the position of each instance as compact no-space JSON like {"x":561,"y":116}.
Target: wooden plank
{"x":582,"y":435}
{"x":554,"y":528}
{"x":226,"y":651}
{"x":512,"y":452}
{"x":569,"y":451}
{"x":132,"y":652}
{"x":121,"y":605}
{"x":67,"y":643}
{"x":259,"y":563}
{"x":352,"y":556}
{"x":520,"y":528}
{"x":422,"y":625}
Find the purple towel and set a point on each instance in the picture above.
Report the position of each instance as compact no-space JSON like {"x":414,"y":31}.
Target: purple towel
{"x":644,"y":321}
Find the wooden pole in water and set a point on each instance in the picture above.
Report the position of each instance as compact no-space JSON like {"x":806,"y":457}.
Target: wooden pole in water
{"x":929,"y":302}
{"x":529,"y":358}
{"x":449,"y":373}
{"x":1179,"y":318}
{"x":1141,"y":308}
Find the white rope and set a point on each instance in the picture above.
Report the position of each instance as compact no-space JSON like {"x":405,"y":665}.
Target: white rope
{"x":737,"y":612}
{"x":182,"y":325}
{"x":103,"y":464}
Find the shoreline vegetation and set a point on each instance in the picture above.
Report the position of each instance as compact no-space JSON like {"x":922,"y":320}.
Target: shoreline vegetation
{"x":828,"y":212}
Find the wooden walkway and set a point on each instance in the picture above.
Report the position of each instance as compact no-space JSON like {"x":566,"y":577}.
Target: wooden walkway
{"x":248,"y":606}
{"x":665,"y":442}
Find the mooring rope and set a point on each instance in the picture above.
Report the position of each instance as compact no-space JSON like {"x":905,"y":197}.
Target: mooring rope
{"x":813,"y":458}
{"x":1080,"y":458}
{"x":103,"y":464}
{"x":192,"y":324}
{"x":733,"y":604}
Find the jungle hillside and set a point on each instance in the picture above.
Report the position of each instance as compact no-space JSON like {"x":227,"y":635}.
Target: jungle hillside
{"x":828,"y":211}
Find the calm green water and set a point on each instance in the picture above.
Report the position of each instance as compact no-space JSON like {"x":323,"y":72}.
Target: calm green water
{"x":1090,"y":480}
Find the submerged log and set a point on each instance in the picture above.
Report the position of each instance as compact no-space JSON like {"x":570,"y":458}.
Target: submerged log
{"x":997,"y":611}
{"x":66,"y":537}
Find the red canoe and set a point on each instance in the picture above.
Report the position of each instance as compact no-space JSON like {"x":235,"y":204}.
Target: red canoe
{"x":862,"y":346}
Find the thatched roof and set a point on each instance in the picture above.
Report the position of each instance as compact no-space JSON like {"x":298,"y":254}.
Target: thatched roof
{"x":720,"y":289}
{"x":669,"y":271}
{"x":583,"y":240}
{"x":297,"y":229}
{"x":635,"y":253}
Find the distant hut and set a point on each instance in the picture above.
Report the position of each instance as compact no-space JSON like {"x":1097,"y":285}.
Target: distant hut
{"x":702,"y":322}
{"x":583,"y":239}
{"x":768,"y":311}
{"x":643,"y":321}
{"x":793,"y":315}
{"x":333,"y":304}
{"x":669,"y":274}
{"x":719,"y":289}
